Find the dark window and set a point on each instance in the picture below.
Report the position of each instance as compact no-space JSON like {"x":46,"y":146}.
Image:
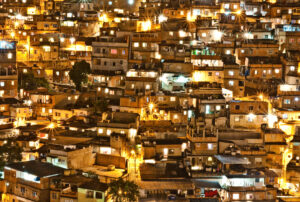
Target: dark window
{"x":23,"y":190}
{"x":89,"y":194}
{"x":209,"y":73}
{"x":251,"y":108}
{"x":34,"y":194}
{"x":53,"y":195}
{"x":99,"y":195}
{"x":237,"y":107}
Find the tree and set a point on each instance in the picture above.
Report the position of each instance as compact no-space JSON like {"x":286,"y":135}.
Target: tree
{"x":9,"y":153}
{"x":27,"y":81}
{"x":121,"y":190}
{"x":79,"y":72}
{"x":101,"y":105}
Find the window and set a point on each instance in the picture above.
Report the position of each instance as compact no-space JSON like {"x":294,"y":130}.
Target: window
{"x":278,"y":11}
{"x":226,"y":6}
{"x":276,"y":71}
{"x":99,"y":195}
{"x":235,"y":6}
{"x":171,"y":151}
{"x":209,"y":73}
{"x":9,"y":55}
{"x":2,"y":83}
{"x":235,"y":196}
{"x":144,"y":44}
{"x":287,"y":101}
{"x":249,"y":196}
{"x":113,"y":51}
{"x":100,"y":130}
{"x":12,"y":83}
{"x":148,"y":87}
{"x":34,"y":194}
{"x":203,"y":34}
{"x":172,"y":99}
{"x":136,"y":44}
{"x":89,"y":194}
{"x":296,"y":99}
{"x":237,"y":107}
{"x":171,"y":33}
{"x":108,"y":132}
{"x":255,"y":72}
{"x":231,"y":83}
{"x":54,"y":196}
{"x":227,"y":52}
{"x":292,"y":68}
{"x":209,"y":146}
{"x":217,"y":73}
{"x":242,"y":51}
{"x":123,"y":52}
{"x":218,"y":107}
{"x":23,"y":190}
{"x":231,"y":73}
{"x":251,"y":108}
{"x":236,"y":119}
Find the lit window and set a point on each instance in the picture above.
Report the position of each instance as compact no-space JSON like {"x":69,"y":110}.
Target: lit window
{"x":255,"y":72}
{"x":235,"y":6}
{"x":148,"y":87}
{"x":236,"y":119}
{"x":175,"y":116}
{"x":108,"y":132}
{"x":57,"y":73}
{"x":50,"y":111}
{"x":172,"y":99}
{"x":290,"y":11}
{"x":296,"y":99}
{"x":284,"y":116}
{"x":144,"y":44}
{"x":2,"y":83}
{"x":43,"y":110}
{"x":76,"y":97}
{"x":292,"y":68}
{"x":136,"y":44}
{"x":12,"y":83}
{"x":171,"y":33}
{"x":276,"y":71}
{"x":203,"y":34}
{"x":132,"y":86}
{"x":249,"y":196}
{"x":287,"y":101}
{"x":231,"y":73}
{"x":100,"y":130}
{"x":122,"y":132}
{"x":9,"y":55}
{"x":113,"y":51}
{"x":218,"y":107}
{"x":181,"y":12}
{"x":226,"y":6}
{"x":235,"y":196}
{"x":227,"y":52}
{"x":210,"y":146}
{"x":69,"y":98}
{"x":231,"y":83}
{"x":242,"y":51}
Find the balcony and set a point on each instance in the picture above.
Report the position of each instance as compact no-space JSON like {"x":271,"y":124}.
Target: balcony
{"x":208,"y":138}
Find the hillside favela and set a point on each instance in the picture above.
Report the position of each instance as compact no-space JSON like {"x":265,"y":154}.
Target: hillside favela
{"x":149,"y":100}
